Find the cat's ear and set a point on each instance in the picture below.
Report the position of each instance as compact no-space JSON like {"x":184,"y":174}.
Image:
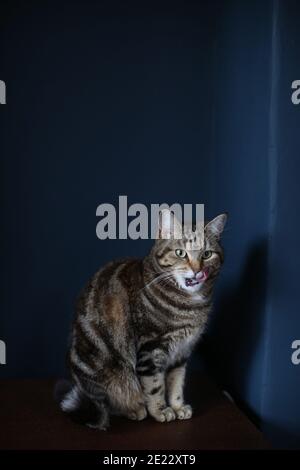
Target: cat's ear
{"x":168,"y":225}
{"x":216,"y":226}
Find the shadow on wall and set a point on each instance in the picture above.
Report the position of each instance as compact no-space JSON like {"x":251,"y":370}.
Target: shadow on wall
{"x":236,"y":328}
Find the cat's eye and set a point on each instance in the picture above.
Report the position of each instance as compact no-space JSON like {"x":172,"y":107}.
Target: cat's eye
{"x":207,"y":254}
{"x":180,"y":253}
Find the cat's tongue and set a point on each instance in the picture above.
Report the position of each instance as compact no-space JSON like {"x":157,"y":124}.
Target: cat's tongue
{"x":200,"y":277}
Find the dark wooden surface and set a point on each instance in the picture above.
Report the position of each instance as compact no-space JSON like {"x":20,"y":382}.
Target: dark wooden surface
{"x":30,"y":419}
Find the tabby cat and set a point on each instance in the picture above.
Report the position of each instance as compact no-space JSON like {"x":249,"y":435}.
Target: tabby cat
{"x":136,"y":324}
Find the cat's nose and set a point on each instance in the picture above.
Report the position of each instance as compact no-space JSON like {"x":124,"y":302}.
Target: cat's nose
{"x":196,"y":267}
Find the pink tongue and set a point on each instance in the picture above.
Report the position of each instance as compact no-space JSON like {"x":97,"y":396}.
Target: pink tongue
{"x":202,"y":275}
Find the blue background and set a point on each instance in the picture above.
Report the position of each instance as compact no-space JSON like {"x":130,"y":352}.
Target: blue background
{"x":182,"y":102}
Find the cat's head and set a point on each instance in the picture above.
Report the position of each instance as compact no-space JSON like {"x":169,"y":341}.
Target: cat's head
{"x":190,"y":256}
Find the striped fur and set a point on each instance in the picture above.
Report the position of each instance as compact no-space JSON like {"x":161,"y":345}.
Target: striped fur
{"x":136,"y":324}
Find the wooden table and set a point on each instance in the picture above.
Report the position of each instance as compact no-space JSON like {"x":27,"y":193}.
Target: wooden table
{"x":30,"y":419}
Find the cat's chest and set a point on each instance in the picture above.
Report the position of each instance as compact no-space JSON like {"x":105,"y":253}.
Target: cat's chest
{"x":181,"y":345}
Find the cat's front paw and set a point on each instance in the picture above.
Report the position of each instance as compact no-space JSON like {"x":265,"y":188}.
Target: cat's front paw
{"x":164,"y":415}
{"x":184,"y":412}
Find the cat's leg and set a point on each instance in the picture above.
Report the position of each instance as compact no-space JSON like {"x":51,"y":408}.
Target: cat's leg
{"x":175,"y":385}
{"x":126,"y":395}
{"x":154,"y":391}
{"x":151,"y":370}
{"x":136,"y":409}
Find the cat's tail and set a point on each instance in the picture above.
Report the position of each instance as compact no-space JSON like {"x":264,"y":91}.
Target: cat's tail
{"x":81,"y":408}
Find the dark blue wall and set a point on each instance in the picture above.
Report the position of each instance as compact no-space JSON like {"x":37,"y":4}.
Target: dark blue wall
{"x":103,"y":99}
{"x":281,"y":408}
{"x":256,"y":168}
{"x":242,"y":182}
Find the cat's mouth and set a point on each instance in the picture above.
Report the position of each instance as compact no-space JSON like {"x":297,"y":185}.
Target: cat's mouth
{"x":199,"y":278}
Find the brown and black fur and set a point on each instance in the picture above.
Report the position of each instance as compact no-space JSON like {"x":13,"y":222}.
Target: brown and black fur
{"x":134,"y":331}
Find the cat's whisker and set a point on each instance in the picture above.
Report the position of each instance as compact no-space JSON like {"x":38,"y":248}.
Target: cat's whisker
{"x":169,"y":274}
